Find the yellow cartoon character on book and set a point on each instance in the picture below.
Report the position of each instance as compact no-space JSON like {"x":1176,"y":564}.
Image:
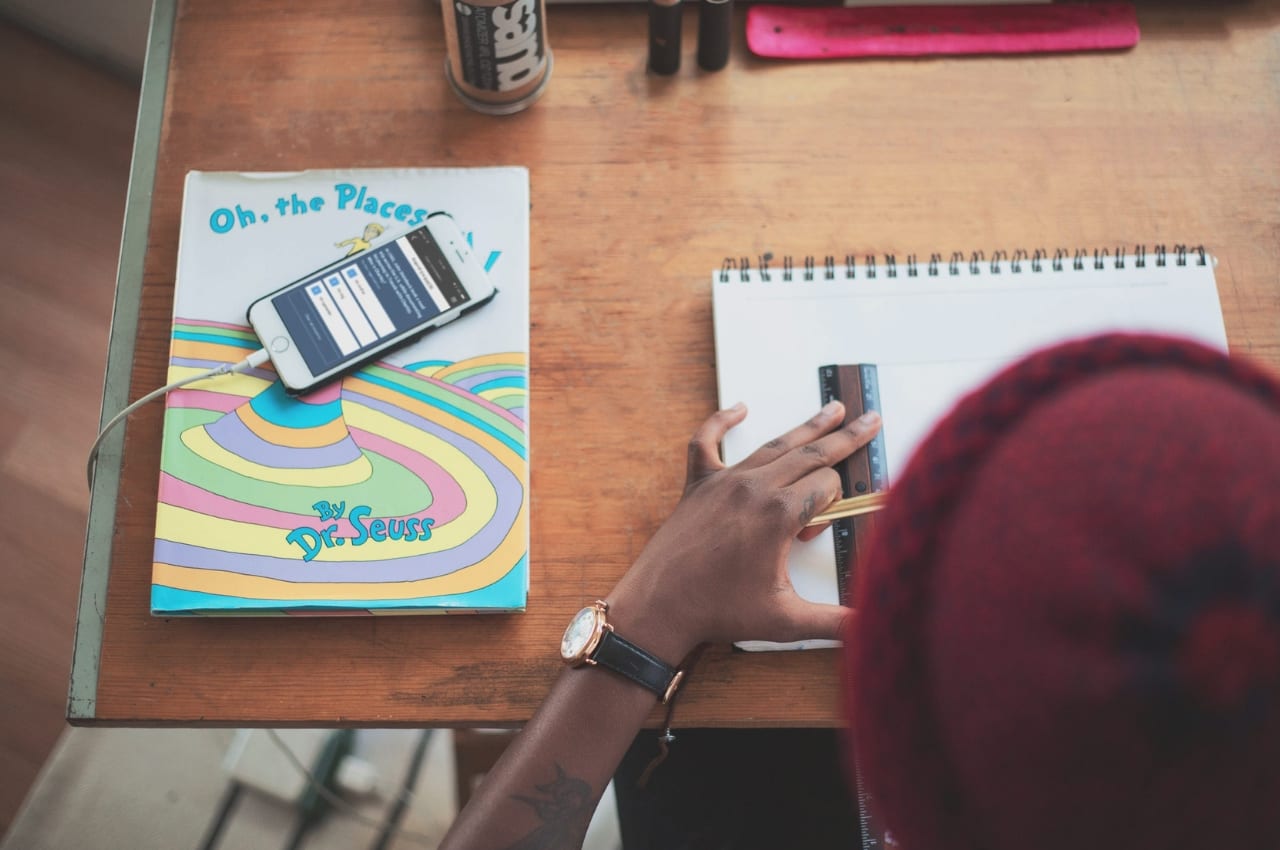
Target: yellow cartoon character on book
{"x":356,"y":244}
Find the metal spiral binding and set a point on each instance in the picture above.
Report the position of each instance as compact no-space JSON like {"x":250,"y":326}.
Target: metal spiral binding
{"x":1019,"y":262}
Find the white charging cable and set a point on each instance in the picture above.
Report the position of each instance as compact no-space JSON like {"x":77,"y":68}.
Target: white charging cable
{"x":253,"y":361}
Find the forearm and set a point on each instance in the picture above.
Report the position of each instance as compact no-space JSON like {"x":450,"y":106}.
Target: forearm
{"x":715,"y":571}
{"x":544,"y":789}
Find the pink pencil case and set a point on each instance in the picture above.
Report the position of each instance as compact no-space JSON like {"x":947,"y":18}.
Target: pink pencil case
{"x":828,"y":32}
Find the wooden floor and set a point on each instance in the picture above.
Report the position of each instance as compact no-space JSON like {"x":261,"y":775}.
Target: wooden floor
{"x":66,"y":132}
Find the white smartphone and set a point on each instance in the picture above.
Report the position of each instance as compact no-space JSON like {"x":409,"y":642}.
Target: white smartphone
{"x":344,"y":315}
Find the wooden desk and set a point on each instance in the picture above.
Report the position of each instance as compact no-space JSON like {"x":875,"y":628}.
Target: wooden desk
{"x":640,"y":187}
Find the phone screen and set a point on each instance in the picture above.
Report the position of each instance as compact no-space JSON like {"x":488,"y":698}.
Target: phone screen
{"x":345,"y":312}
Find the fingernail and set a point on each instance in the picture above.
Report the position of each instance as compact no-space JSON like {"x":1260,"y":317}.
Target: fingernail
{"x":830,"y":408}
{"x":869,"y":418}
{"x":738,"y":407}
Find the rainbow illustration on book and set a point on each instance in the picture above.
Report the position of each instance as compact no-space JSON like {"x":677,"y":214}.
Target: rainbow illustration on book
{"x":400,"y":488}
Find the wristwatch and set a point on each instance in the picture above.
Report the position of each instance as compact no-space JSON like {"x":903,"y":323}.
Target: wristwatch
{"x":590,"y":639}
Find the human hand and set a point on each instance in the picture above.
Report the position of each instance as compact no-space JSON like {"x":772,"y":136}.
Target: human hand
{"x":717,"y":568}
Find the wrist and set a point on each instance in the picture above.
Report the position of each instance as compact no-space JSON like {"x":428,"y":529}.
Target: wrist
{"x":650,"y":625}
{"x":592,"y":638}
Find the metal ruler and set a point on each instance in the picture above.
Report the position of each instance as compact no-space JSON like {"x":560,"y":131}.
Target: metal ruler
{"x":874,"y":835}
{"x":865,"y":471}
{"x":875,"y":451}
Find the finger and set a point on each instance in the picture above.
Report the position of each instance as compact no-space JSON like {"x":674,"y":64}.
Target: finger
{"x":826,"y":451}
{"x":814,"y":620}
{"x":817,"y":425}
{"x":704,"y":446}
{"x":816,"y":490}
{"x":811,"y":531}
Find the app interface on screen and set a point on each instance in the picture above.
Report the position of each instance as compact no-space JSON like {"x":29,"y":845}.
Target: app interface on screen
{"x":351,"y":309}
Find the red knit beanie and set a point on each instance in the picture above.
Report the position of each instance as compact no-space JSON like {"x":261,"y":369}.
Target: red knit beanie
{"x":1069,"y":621}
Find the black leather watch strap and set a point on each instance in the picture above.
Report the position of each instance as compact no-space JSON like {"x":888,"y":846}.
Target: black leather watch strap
{"x":623,"y":657}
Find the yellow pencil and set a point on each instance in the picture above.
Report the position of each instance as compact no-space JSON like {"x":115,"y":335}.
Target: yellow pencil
{"x":855,"y":506}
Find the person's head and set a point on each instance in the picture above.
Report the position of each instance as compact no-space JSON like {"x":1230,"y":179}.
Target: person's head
{"x":1068,"y":631}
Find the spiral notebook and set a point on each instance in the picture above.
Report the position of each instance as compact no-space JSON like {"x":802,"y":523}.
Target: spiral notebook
{"x":933,"y":329}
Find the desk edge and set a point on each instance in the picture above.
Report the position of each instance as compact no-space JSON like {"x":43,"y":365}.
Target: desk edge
{"x":86,"y":653}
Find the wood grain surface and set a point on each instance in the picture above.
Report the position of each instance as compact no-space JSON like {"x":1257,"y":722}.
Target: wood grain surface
{"x":640,"y":187}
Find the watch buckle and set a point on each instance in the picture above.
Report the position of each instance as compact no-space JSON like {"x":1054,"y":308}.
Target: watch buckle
{"x":673,"y":686}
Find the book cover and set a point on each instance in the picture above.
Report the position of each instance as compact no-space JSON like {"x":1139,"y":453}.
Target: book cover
{"x":401,"y":488}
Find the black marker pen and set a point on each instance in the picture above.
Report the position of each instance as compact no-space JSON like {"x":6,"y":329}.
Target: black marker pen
{"x":715,"y":29}
{"x":664,"y":36}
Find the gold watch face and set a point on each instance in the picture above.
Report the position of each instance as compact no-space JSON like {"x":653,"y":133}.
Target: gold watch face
{"x":582,"y":634}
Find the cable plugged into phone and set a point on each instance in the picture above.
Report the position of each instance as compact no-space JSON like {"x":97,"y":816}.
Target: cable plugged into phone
{"x":253,"y":361}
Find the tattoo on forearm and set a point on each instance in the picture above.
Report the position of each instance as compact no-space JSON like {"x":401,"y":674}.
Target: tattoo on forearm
{"x":564,"y":806}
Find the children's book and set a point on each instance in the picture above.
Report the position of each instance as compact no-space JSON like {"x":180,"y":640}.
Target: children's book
{"x":400,"y":488}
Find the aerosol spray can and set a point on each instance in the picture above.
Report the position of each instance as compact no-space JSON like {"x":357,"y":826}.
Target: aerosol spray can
{"x":499,"y":61}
